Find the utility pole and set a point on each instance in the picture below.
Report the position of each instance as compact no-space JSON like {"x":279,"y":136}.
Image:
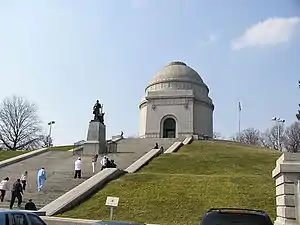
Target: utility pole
{"x":50,"y":130}
{"x":278,"y":121}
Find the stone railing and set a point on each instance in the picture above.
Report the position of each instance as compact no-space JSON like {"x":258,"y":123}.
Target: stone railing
{"x":81,"y":192}
{"x":177,"y":145}
{"x":138,"y":164}
{"x":22,"y":157}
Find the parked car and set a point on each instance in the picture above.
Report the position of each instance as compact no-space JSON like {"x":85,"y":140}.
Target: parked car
{"x":18,"y":217}
{"x":236,"y":216}
{"x":112,"y":222}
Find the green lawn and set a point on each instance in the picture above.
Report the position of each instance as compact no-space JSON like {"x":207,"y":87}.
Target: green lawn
{"x":62,"y":148}
{"x":10,"y":154}
{"x":178,"y":188}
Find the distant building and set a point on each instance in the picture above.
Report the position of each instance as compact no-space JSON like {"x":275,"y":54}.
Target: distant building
{"x":176,"y":103}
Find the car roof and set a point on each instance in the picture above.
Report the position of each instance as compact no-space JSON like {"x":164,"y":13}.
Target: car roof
{"x":15,"y":211}
{"x":236,"y":210}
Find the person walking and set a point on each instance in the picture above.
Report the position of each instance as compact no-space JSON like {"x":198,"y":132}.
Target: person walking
{"x":3,"y":188}
{"x":94,"y":162}
{"x":78,"y":165}
{"x":16,"y":192}
{"x":24,"y":180}
{"x":41,"y":179}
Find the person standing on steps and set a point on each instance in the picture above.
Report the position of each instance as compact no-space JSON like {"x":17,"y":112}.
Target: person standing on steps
{"x":78,"y":165}
{"x":94,"y":161}
{"x":41,"y":179}
{"x":24,"y":180}
{"x":16,"y":192}
{"x":3,"y":188}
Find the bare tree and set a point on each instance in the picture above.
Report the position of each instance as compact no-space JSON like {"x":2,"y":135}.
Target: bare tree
{"x":298,"y":114}
{"x":292,"y":140}
{"x":45,"y":141}
{"x":250,"y":136}
{"x":19,"y":124}
{"x":270,"y":137}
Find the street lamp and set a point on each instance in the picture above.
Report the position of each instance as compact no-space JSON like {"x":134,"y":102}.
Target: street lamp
{"x":278,"y":121}
{"x":50,"y":129}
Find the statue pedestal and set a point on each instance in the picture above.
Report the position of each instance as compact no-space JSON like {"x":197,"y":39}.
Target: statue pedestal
{"x":96,"y":139}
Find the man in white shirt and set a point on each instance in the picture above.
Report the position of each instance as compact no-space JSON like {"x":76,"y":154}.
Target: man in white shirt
{"x":78,"y":165}
{"x":3,"y":188}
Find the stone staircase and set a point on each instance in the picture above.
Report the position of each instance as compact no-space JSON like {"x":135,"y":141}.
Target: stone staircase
{"x":60,"y":171}
{"x":143,"y":144}
{"x":131,"y":149}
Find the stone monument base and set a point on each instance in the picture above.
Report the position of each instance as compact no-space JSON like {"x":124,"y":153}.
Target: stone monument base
{"x":96,"y":139}
{"x":91,"y":147}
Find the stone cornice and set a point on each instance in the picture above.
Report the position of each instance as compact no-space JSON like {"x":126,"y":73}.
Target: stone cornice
{"x":178,"y":80}
{"x":187,"y":97}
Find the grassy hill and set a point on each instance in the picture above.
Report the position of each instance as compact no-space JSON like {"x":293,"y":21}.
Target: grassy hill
{"x":10,"y":154}
{"x":178,"y":188}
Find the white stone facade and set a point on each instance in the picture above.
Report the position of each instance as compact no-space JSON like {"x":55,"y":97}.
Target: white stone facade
{"x":287,"y":176}
{"x":176,"y":103}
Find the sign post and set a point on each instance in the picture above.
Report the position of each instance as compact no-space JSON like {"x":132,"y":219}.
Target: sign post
{"x":112,"y":202}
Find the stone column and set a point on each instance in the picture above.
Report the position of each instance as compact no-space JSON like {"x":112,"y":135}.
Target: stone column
{"x":287,"y":174}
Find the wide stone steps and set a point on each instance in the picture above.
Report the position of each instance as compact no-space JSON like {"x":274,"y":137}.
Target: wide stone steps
{"x":40,"y":199}
{"x":59,"y":167}
{"x":143,"y":144}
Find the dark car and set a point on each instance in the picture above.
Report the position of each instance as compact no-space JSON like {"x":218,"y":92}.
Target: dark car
{"x":12,"y":217}
{"x":235,"y":216}
{"x":116,"y":223}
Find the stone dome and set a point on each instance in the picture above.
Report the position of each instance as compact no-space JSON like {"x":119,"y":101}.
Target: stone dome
{"x":177,"y":71}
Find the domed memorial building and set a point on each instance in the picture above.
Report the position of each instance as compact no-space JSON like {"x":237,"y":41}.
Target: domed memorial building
{"x":176,"y":103}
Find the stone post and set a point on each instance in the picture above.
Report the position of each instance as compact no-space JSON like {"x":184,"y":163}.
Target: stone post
{"x":287,"y":174}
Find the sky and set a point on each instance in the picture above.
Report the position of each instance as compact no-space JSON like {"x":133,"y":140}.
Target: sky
{"x":63,"y":55}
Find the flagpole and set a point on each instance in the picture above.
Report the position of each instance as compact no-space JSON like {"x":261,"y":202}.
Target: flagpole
{"x":240,"y":109}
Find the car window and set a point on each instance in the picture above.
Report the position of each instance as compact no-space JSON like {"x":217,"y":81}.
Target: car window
{"x":35,"y":220}
{"x":236,"y":219}
{"x":19,"y":219}
{"x":6,"y":219}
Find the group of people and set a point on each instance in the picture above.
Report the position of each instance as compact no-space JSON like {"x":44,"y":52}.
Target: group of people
{"x":19,"y":186}
{"x":157,"y":147}
{"x":105,"y":163}
{"x":18,"y":189}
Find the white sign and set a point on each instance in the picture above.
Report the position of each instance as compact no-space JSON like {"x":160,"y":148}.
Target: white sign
{"x":112,"y":201}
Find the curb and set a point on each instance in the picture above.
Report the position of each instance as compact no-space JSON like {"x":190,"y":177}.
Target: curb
{"x":22,"y":157}
{"x":51,"y":220}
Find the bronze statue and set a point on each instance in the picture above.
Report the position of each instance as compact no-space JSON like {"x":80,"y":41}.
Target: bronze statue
{"x":98,"y":112}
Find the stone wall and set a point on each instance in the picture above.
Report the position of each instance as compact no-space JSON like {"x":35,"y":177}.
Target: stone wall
{"x":287,"y":175}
